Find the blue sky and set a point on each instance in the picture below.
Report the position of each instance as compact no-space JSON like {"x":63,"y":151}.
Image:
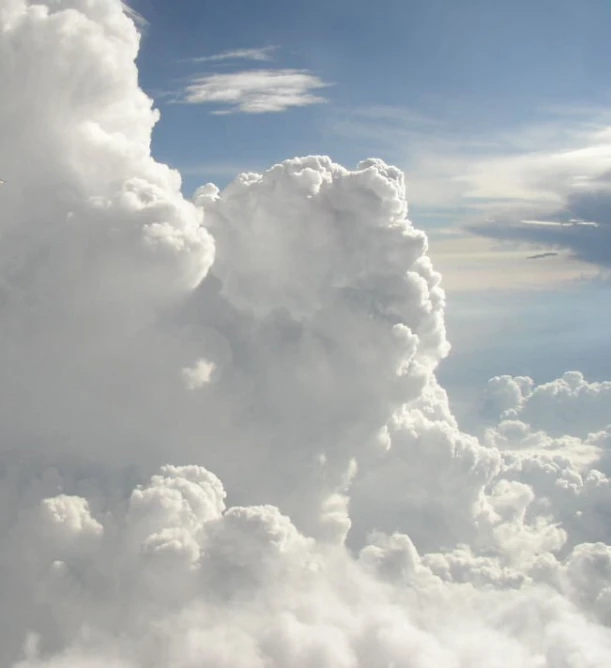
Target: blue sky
{"x":471,"y":67}
{"x":498,"y":112}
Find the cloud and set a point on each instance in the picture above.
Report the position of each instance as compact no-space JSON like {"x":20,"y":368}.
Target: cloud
{"x":261,"y":54}
{"x":135,"y":16}
{"x":541,"y":256}
{"x":554,"y":223}
{"x":199,"y":374}
{"x":539,"y":171}
{"x":567,"y":405}
{"x":255,"y":91}
{"x":222,"y":438}
{"x":488,"y":183}
{"x":555,"y":194}
{"x":556,"y":198}
{"x":471,"y":263}
{"x":587,"y":241}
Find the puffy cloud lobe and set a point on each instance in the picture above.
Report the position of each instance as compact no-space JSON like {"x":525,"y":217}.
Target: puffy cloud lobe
{"x":567,"y":405}
{"x":338,"y":230}
{"x":553,"y":438}
{"x":97,"y":242}
{"x":355,"y":524}
{"x":332,"y":313}
{"x":260,"y":593}
{"x":433,"y":478}
{"x":81,"y":186}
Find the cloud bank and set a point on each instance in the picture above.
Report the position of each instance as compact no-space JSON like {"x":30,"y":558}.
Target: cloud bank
{"x":223,"y":442}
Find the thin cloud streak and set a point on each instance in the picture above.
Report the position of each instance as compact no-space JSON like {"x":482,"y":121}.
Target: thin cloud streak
{"x":255,"y":91}
{"x":259,"y":54}
{"x":555,"y":223}
{"x":541,"y":256}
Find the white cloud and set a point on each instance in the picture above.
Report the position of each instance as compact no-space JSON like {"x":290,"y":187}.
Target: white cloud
{"x":470,"y":263}
{"x":199,"y":374}
{"x":490,"y":182}
{"x":531,"y":171}
{"x":255,"y":91}
{"x":553,"y":195}
{"x":352,"y":522}
{"x":135,"y":16}
{"x":554,"y":223}
{"x":567,"y":405}
{"x":264,"y":53}
{"x":520,"y":172}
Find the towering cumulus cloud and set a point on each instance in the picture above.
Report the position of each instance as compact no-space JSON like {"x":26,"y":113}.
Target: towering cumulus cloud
{"x":222,"y":440}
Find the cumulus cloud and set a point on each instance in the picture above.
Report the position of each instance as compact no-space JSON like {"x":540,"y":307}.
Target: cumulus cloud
{"x":223,"y":441}
{"x":255,"y":91}
{"x":567,"y":405}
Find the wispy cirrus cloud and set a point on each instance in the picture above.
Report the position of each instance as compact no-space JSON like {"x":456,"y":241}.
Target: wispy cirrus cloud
{"x":545,"y":184}
{"x":574,"y":222}
{"x":530,"y":170}
{"x":255,"y":91}
{"x":261,"y":54}
{"x":556,"y":196}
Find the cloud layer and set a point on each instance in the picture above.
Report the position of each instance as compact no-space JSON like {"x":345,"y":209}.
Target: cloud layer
{"x":565,"y":188}
{"x":223,"y":442}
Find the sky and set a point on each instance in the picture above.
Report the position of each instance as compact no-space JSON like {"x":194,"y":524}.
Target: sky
{"x":303,"y":365}
{"x":402,"y":80}
{"x":497,"y":113}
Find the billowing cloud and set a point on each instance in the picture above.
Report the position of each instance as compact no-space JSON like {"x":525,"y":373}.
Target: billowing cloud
{"x":568,"y":405}
{"x":556,"y":438}
{"x":255,"y":91}
{"x":223,"y":441}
